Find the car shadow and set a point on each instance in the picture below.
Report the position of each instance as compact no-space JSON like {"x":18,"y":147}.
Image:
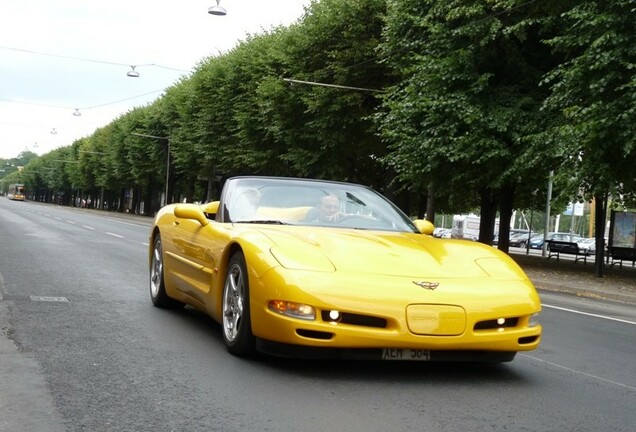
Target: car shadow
{"x":396,"y":371}
{"x":358,"y":370}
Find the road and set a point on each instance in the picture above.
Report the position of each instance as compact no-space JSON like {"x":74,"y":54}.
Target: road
{"x":82,"y":349}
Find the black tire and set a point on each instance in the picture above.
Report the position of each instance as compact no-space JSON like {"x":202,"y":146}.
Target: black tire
{"x":157,"y":285}
{"x":236,"y":322}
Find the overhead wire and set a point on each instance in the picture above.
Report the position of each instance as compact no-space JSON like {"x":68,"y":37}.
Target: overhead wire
{"x":89,"y":60}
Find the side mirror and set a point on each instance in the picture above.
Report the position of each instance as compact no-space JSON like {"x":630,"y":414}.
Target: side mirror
{"x":191,"y":211}
{"x":211,"y":208}
{"x":424,"y":226}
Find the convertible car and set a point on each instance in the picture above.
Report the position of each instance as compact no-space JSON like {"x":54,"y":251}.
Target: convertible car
{"x":319,"y":269}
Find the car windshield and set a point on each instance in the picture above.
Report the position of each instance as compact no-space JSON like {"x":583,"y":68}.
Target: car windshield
{"x":309,"y":202}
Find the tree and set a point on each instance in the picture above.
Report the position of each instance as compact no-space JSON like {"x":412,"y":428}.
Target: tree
{"x":467,"y":103}
{"x":595,"y":90}
{"x":333,"y":135}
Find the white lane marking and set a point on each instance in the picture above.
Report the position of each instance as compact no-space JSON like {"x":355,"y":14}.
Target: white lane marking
{"x":580,"y":372}
{"x":48,"y":299}
{"x":88,"y":227}
{"x":140,"y":224}
{"x":71,"y":222}
{"x":114,"y":235}
{"x":58,"y":218}
{"x":145,"y":244}
{"x":590,"y":314}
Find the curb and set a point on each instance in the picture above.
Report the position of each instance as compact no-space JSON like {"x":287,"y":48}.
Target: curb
{"x":597,"y":294}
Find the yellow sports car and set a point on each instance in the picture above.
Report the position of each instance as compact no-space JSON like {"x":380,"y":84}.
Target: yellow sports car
{"x":321,"y":269}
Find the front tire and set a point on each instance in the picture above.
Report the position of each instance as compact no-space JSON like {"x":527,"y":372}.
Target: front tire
{"x":237,"y":325}
{"x":158,"y":293}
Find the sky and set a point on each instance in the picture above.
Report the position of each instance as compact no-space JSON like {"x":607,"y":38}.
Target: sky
{"x":60,"y":58}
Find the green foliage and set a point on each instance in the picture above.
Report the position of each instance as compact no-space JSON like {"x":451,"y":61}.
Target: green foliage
{"x":595,"y":90}
{"x":478,"y":101}
{"x":467,"y":105}
{"x":9,"y":168}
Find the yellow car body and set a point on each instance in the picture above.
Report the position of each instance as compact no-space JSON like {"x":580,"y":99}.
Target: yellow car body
{"x":360,"y":288}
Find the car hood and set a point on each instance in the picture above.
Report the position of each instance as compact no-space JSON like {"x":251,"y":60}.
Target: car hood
{"x":388,"y":253}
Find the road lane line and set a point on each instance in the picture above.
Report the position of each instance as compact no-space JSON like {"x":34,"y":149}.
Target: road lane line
{"x":580,"y":372}
{"x":590,"y":314}
{"x":71,"y":222}
{"x":114,"y":235}
{"x":88,"y":227}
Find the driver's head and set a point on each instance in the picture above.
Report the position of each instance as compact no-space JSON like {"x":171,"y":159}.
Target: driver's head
{"x":329,"y":205}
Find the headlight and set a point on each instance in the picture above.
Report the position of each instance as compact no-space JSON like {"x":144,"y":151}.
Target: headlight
{"x":293,"y":310}
{"x":534,"y":320}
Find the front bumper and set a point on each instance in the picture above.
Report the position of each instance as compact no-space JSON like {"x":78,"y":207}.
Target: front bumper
{"x":381,"y":319}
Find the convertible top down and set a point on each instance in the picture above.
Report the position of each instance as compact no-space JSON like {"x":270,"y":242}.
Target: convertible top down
{"x":314,"y":269}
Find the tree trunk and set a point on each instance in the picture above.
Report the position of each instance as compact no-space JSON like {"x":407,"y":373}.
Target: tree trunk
{"x":487,"y":217}
{"x":149,"y":207}
{"x":135,"y":200}
{"x":122,"y":201}
{"x":430,"y":204}
{"x":599,"y":233}
{"x":505,"y":213}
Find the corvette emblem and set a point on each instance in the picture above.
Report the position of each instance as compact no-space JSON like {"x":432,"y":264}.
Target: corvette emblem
{"x":428,"y":285}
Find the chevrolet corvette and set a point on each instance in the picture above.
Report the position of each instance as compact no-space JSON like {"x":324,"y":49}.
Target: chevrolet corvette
{"x":320,"y":269}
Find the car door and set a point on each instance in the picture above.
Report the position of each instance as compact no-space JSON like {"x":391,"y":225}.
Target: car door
{"x":193,"y":260}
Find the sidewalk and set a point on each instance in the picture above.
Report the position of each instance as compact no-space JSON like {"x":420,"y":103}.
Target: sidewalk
{"x":580,"y":279}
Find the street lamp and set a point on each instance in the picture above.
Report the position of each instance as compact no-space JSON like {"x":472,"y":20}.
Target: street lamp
{"x":217,"y":10}
{"x":167,"y":157}
{"x":133,"y":73}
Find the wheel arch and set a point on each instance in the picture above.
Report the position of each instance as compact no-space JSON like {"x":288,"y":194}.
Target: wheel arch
{"x":223,"y":264}
{"x":153,"y":235}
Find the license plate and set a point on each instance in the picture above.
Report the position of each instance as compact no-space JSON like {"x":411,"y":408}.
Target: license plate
{"x":406,"y":354}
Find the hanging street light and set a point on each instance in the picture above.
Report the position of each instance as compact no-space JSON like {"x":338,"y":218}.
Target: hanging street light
{"x":133,"y":73}
{"x":217,"y":10}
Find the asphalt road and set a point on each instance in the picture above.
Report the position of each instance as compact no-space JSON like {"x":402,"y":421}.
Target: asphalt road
{"x":82,"y":349}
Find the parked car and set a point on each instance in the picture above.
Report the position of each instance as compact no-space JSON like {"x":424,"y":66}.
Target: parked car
{"x":442,"y":233}
{"x":286,"y":274}
{"x":590,"y":244}
{"x":520,"y":240}
{"x":536,"y":242}
{"x":587,"y":243}
{"x":514,"y":232}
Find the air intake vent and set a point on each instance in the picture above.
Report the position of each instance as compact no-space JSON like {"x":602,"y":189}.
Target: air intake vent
{"x":497,"y":323}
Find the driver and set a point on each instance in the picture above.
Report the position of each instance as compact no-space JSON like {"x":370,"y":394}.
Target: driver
{"x":329,"y":209}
